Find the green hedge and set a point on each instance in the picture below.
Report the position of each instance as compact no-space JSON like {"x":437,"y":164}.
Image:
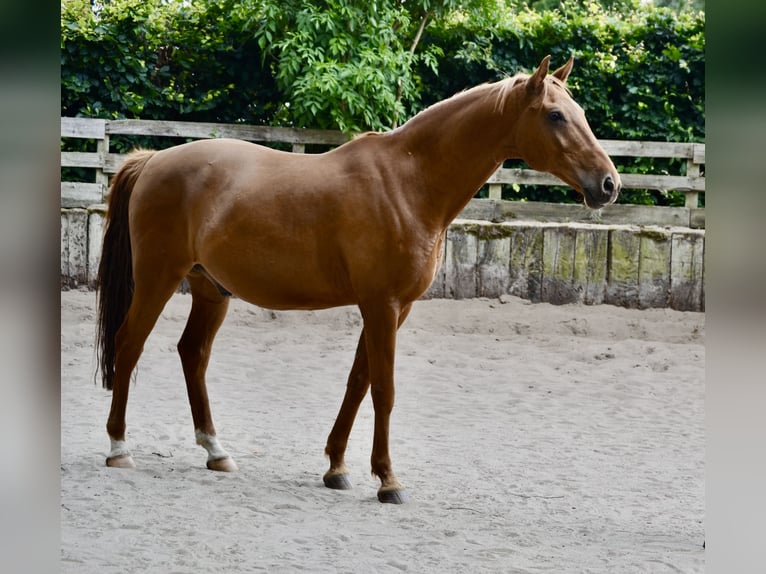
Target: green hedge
{"x":639,"y":76}
{"x":154,"y":59}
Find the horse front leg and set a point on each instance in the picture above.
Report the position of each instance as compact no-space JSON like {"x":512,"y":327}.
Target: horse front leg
{"x":356,"y":389}
{"x":380,"y":326}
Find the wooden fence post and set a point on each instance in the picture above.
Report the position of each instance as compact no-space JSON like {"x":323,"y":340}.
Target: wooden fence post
{"x":493,"y":261}
{"x":96,"y":215}
{"x":526,"y":265}
{"x":558,"y":265}
{"x":653,"y":268}
{"x":622,"y":279}
{"x":460,"y":263}
{"x":590,"y":263}
{"x":687,"y":271}
{"x":692,"y":197}
{"x":74,"y":247}
{"x":102,"y":147}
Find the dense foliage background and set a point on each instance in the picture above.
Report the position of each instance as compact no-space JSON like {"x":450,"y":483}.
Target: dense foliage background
{"x":341,"y":64}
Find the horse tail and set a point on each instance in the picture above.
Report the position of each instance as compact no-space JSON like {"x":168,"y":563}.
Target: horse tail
{"x":114,"y":281}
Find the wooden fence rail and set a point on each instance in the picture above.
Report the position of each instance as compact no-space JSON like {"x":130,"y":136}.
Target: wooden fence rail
{"x":105,"y":163}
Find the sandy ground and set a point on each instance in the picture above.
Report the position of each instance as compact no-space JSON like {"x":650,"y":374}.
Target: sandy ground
{"x":532,"y":438}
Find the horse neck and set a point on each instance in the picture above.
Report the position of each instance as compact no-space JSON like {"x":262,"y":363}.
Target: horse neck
{"x":459,"y":143}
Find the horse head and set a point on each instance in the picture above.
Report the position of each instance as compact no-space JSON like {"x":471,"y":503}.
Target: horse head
{"x":553,"y":135}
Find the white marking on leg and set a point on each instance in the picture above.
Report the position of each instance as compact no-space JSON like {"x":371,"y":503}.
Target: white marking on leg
{"x":119,"y":448}
{"x":210,"y":443}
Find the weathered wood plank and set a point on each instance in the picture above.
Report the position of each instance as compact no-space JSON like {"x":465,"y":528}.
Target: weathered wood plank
{"x":692,"y":197}
{"x":113,"y":162}
{"x":110,"y":162}
{"x":590,"y":263}
{"x":526,"y":267}
{"x":692,"y":200}
{"x":64,"y":246}
{"x":629,"y":180}
{"x":482,"y":210}
{"x":94,"y":128}
{"x":687,"y":271}
{"x":622,"y":277}
{"x":96,"y":216}
{"x":80,"y":159}
{"x":618,"y":214}
{"x":74,"y":246}
{"x":103,"y":151}
{"x":698,"y":154}
{"x":662,"y":182}
{"x":523,"y":176}
{"x":654,"y":267}
{"x":75,"y":194}
{"x":558,"y":265}
{"x":460,"y":260}
{"x":697,"y":218}
{"x":205,"y":130}
{"x":622,"y":148}
{"x":495,"y":191}
{"x":493,"y":265}
{"x":84,"y":128}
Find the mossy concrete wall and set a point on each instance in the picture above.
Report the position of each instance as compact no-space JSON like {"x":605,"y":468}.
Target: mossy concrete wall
{"x":626,"y":265}
{"x":629,"y":266}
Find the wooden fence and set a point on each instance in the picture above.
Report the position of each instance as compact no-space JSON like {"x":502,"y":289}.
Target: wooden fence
{"x":630,"y":255}
{"x":106,"y":163}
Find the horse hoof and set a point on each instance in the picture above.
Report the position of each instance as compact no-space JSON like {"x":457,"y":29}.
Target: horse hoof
{"x":225,"y":464}
{"x":121,"y":461}
{"x":337,"y":481}
{"x":393,"y":496}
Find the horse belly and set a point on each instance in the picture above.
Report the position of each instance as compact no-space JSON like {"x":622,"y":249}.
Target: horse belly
{"x":286,"y":278}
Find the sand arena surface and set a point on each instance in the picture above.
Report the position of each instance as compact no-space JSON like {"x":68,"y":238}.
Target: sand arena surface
{"x":531,"y":438}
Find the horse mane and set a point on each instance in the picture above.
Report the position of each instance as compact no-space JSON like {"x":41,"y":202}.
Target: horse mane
{"x":506,"y":85}
{"x":500,"y":90}
{"x":361,"y":135}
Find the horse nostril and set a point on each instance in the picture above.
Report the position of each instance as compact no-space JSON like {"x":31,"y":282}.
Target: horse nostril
{"x":609,"y":184}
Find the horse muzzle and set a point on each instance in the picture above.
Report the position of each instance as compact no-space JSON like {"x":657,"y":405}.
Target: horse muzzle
{"x":603,"y":193}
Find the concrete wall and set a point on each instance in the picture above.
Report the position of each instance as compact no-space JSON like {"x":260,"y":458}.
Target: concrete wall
{"x":560,"y":263}
{"x":555,"y":262}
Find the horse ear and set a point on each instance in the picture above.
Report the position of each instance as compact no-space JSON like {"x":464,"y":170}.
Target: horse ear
{"x":563,"y":72}
{"x":536,"y":80}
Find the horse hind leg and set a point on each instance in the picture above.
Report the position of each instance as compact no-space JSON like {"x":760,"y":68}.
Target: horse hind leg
{"x":209,"y":306}
{"x":149,"y":298}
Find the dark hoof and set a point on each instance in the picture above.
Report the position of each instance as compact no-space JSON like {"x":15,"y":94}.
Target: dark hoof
{"x":393,"y":496}
{"x":225,"y":464}
{"x":121,"y":461}
{"x":337,"y":481}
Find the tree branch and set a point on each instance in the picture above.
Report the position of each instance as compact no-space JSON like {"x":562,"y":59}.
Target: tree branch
{"x":414,"y":46}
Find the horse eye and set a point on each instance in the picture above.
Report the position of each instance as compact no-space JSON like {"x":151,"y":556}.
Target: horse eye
{"x":556,"y":116}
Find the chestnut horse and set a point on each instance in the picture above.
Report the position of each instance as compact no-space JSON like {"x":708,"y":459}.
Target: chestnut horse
{"x":363,"y":224}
